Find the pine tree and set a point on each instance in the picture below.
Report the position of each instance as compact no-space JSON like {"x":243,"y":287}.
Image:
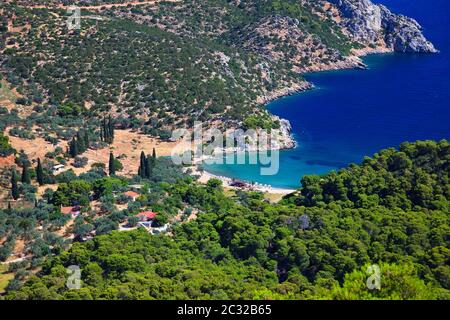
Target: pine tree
{"x":14,"y":188}
{"x":39,"y":173}
{"x":25,"y":174}
{"x":112,"y":165}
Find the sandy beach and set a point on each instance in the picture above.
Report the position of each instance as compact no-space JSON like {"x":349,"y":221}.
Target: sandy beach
{"x":205,"y":176}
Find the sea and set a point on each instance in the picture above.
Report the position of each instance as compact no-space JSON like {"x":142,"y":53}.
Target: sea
{"x":351,"y":114}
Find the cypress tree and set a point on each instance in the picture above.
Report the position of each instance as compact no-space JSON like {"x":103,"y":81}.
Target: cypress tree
{"x":142,"y":164}
{"x":107,"y":130}
{"x":73,"y":148}
{"x":14,"y":187}
{"x":148,"y":167}
{"x":86,"y":140}
{"x":112,"y":166}
{"x":80,"y":146}
{"x":104,"y":131}
{"x":102,"y":135}
{"x":25,"y":174}
{"x":150,"y":164}
{"x":39,"y":173}
{"x":111,"y":129}
{"x":9,"y":206}
{"x":80,"y":143}
{"x":153,"y":158}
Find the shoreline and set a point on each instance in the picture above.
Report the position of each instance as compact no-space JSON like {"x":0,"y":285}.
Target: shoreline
{"x":353,"y":62}
{"x":205,"y":176}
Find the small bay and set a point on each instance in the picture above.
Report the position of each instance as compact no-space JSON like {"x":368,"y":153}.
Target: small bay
{"x":354,"y":113}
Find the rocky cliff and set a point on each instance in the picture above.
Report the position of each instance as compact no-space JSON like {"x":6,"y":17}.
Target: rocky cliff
{"x":371,"y":24}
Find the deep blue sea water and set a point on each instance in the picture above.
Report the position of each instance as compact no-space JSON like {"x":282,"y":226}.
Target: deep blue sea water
{"x":355,"y":113}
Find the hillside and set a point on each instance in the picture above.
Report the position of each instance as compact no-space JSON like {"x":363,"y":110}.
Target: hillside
{"x":86,"y":118}
{"x":172,"y":63}
{"x":392,"y":210}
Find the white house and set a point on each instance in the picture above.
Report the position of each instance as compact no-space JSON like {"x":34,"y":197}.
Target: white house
{"x":58,"y":168}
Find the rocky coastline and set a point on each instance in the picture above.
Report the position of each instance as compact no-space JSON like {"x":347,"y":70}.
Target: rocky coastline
{"x":374,"y":26}
{"x":369,"y":24}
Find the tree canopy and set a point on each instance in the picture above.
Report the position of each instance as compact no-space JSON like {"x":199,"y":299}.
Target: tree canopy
{"x":314,"y":244}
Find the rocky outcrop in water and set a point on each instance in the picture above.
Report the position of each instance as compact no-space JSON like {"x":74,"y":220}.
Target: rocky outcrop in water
{"x":250,"y":140}
{"x":369,"y":23}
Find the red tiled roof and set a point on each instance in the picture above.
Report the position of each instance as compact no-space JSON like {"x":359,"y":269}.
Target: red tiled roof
{"x":147,"y":214}
{"x":66,"y":210}
{"x":132,"y":194}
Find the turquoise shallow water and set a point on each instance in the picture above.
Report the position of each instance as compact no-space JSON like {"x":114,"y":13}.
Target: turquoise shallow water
{"x":355,"y":113}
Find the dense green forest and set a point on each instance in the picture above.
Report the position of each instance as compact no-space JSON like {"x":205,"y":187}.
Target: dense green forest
{"x":392,"y":210}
